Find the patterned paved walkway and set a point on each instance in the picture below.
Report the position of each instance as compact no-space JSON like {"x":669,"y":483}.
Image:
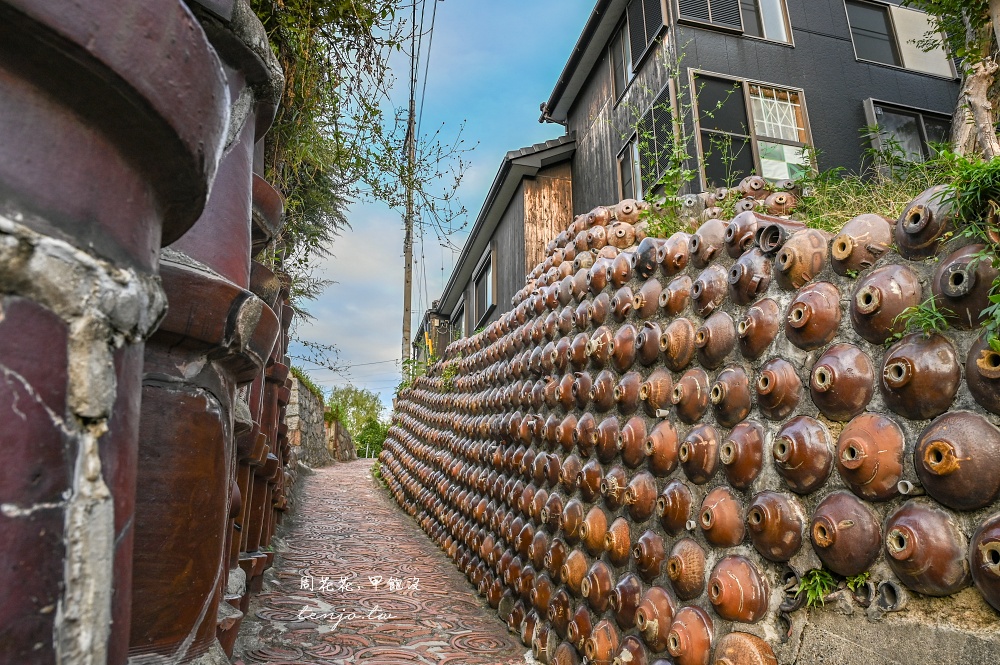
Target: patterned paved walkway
{"x":325,"y":600}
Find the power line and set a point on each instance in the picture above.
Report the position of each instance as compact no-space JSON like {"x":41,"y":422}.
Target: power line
{"x":427,"y":65}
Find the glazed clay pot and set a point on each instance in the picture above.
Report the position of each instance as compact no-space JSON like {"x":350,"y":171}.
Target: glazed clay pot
{"x":647,"y":343}
{"x":743,"y":649}
{"x":625,"y":600}
{"x":691,"y":393}
{"x":802,"y":258}
{"x":653,"y":617}
{"x":690,"y":638}
{"x":707,"y":242}
{"x":647,"y":299}
{"x":649,"y":555}
{"x":603,"y":643}
{"x":870,"y":456}
{"x":699,"y":453}
{"x":982,"y":374}
{"x":860,"y":243}
{"x":802,"y":455}
{"x":715,"y":340}
{"x":749,"y":277}
{"x":813,"y":317}
{"x":737,"y":590}
{"x":923,"y":224}
{"x":758,"y":328}
{"x":709,"y":290}
{"x":845,"y":534}
{"x":742,"y":454}
{"x":656,"y":391}
{"x":774,"y":521}
{"x":721,"y":518}
{"x":673,"y":507}
{"x":677,"y":344}
{"x":984,"y":559}
{"x":926,"y":550}
{"x":676,"y":297}
{"x":842,"y":382}
{"x":779,"y":389}
{"x":957,"y":459}
{"x":730,"y":396}
{"x":597,"y":585}
{"x":617,"y":542}
{"x":661,"y":447}
{"x":920,"y":376}
{"x":640,"y":496}
{"x":686,"y":569}
{"x":880,"y":297}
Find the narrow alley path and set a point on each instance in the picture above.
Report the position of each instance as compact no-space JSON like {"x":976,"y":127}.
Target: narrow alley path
{"x":350,"y":557}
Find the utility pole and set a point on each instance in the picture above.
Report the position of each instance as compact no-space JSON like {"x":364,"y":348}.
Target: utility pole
{"x":408,"y":171}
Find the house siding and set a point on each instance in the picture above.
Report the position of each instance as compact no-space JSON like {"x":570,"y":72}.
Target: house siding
{"x":508,"y":253}
{"x":548,"y":210}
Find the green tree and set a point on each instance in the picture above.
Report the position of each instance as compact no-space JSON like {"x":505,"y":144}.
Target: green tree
{"x":369,"y":440}
{"x":356,"y":406}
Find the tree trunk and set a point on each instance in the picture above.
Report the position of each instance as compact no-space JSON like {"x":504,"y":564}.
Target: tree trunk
{"x":975,"y":99}
{"x":995,"y":18}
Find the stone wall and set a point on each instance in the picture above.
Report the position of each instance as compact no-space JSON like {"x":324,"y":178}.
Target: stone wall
{"x":340,"y":443}
{"x":306,"y":429}
{"x":664,"y":438}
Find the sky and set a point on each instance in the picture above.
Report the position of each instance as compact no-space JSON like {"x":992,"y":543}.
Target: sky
{"x":491,"y":65}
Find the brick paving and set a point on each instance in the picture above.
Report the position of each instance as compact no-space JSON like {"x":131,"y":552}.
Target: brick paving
{"x":346,"y":530}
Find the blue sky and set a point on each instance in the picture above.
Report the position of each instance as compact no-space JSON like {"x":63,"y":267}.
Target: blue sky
{"x":492,"y":64}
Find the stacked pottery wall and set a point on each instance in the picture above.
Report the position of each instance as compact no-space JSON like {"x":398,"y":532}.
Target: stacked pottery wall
{"x":639,"y":462}
{"x":143,"y":367}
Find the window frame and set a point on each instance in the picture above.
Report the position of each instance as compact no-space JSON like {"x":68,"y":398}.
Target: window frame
{"x":637,"y":62}
{"x":631,"y":146}
{"x":745,"y":84}
{"x":895,"y":40}
{"x":485,"y":263}
{"x":671,"y":89}
{"x":456,"y":314}
{"x":871,"y":117}
{"x":788,"y":27}
{"x":621,"y":32}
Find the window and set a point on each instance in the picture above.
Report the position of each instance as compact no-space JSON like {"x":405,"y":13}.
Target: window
{"x":890,"y":34}
{"x":912,"y":130}
{"x":458,"y":323}
{"x":726,"y":14}
{"x":621,"y":61}
{"x":628,"y":171}
{"x":645,"y":20}
{"x":746,"y":127}
{"x":655,"y":139}
{"x":766,"y":19}
{"x":484,"y":291}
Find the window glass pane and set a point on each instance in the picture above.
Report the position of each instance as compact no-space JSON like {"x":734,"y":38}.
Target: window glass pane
{"x":625,"y":173}
{"x":752,"y":25}
{"x":772,"y":14}
{"x":459,"y":322}
{"x":728,"y":159}
{"x":780,"y":162}
{"x":872,"y":32}
{"x":618,"y":64}
{"x":721,"y":105}
{"x":483,"y":291}
{"x":938,"y":130}
{"x":777,"y":113}
{"x":900,"y":131}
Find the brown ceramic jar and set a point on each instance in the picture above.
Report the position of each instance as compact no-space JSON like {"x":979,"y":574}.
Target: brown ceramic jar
{"x":613,"y":488}
{"x":661,"y":448}
{"x":646,"y":300}
{"x":845,"y":534}
{"x":740,"y":232}
{"x":673,"y":507}
{"x":603,"y":643}
{"x":647,"y":343}
{"x":626,"y":393}
{"x":690,"y":639}
{"x":802,"y":454}
{"x":653,"y":617}
{"x":625,"y":600}
{"x":676,"y":254}
{"x":920,"y":376}
{"x":675,"y":298}
{"x":880,"y":297}
{"x":618,"y":543}
{"x":602,"y":393}
{"x":870,"y":456}
{"x":574,"y":570}
{"x":926,"y":549}
{"x":691,"y":393}
{"x":597,"y":585}
{"x":709,"y":290}
{"x":814,"y":316}
{"x":749,"y":277}
{"x":775,"y":524}
{"x":737,"y":590}
{"x":623,"y":352}
{"x":843,"y":381}
{"x":606,"y":442}
{"x":721,"y":518}
{"x":860,"y":243}
{"x":649,"y":554}
{"x":631,"y":442}
{"x":982,"y":374}
{"x":802,"y":258}
{"x":648,"y":255}
{"x":715,"y":340}
{"x":984,"y":558}
{"x":758,"y":328}
{"x":742,"y":454}
{"x":923,"y":224}
{"x":677,"y":343}
{"x":707,"y":242}
{"x":656,"y":391}
{"x":957,"y":460}
{"x":699,"y":454}
{"x":593,"y":529}
{"x":686,"y":569}
{"x":779,"y":389}
{"x":640,"y":496}
{"x":962,"y":285}
{"x":743,"y":649}
{"x":730,"y":396}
